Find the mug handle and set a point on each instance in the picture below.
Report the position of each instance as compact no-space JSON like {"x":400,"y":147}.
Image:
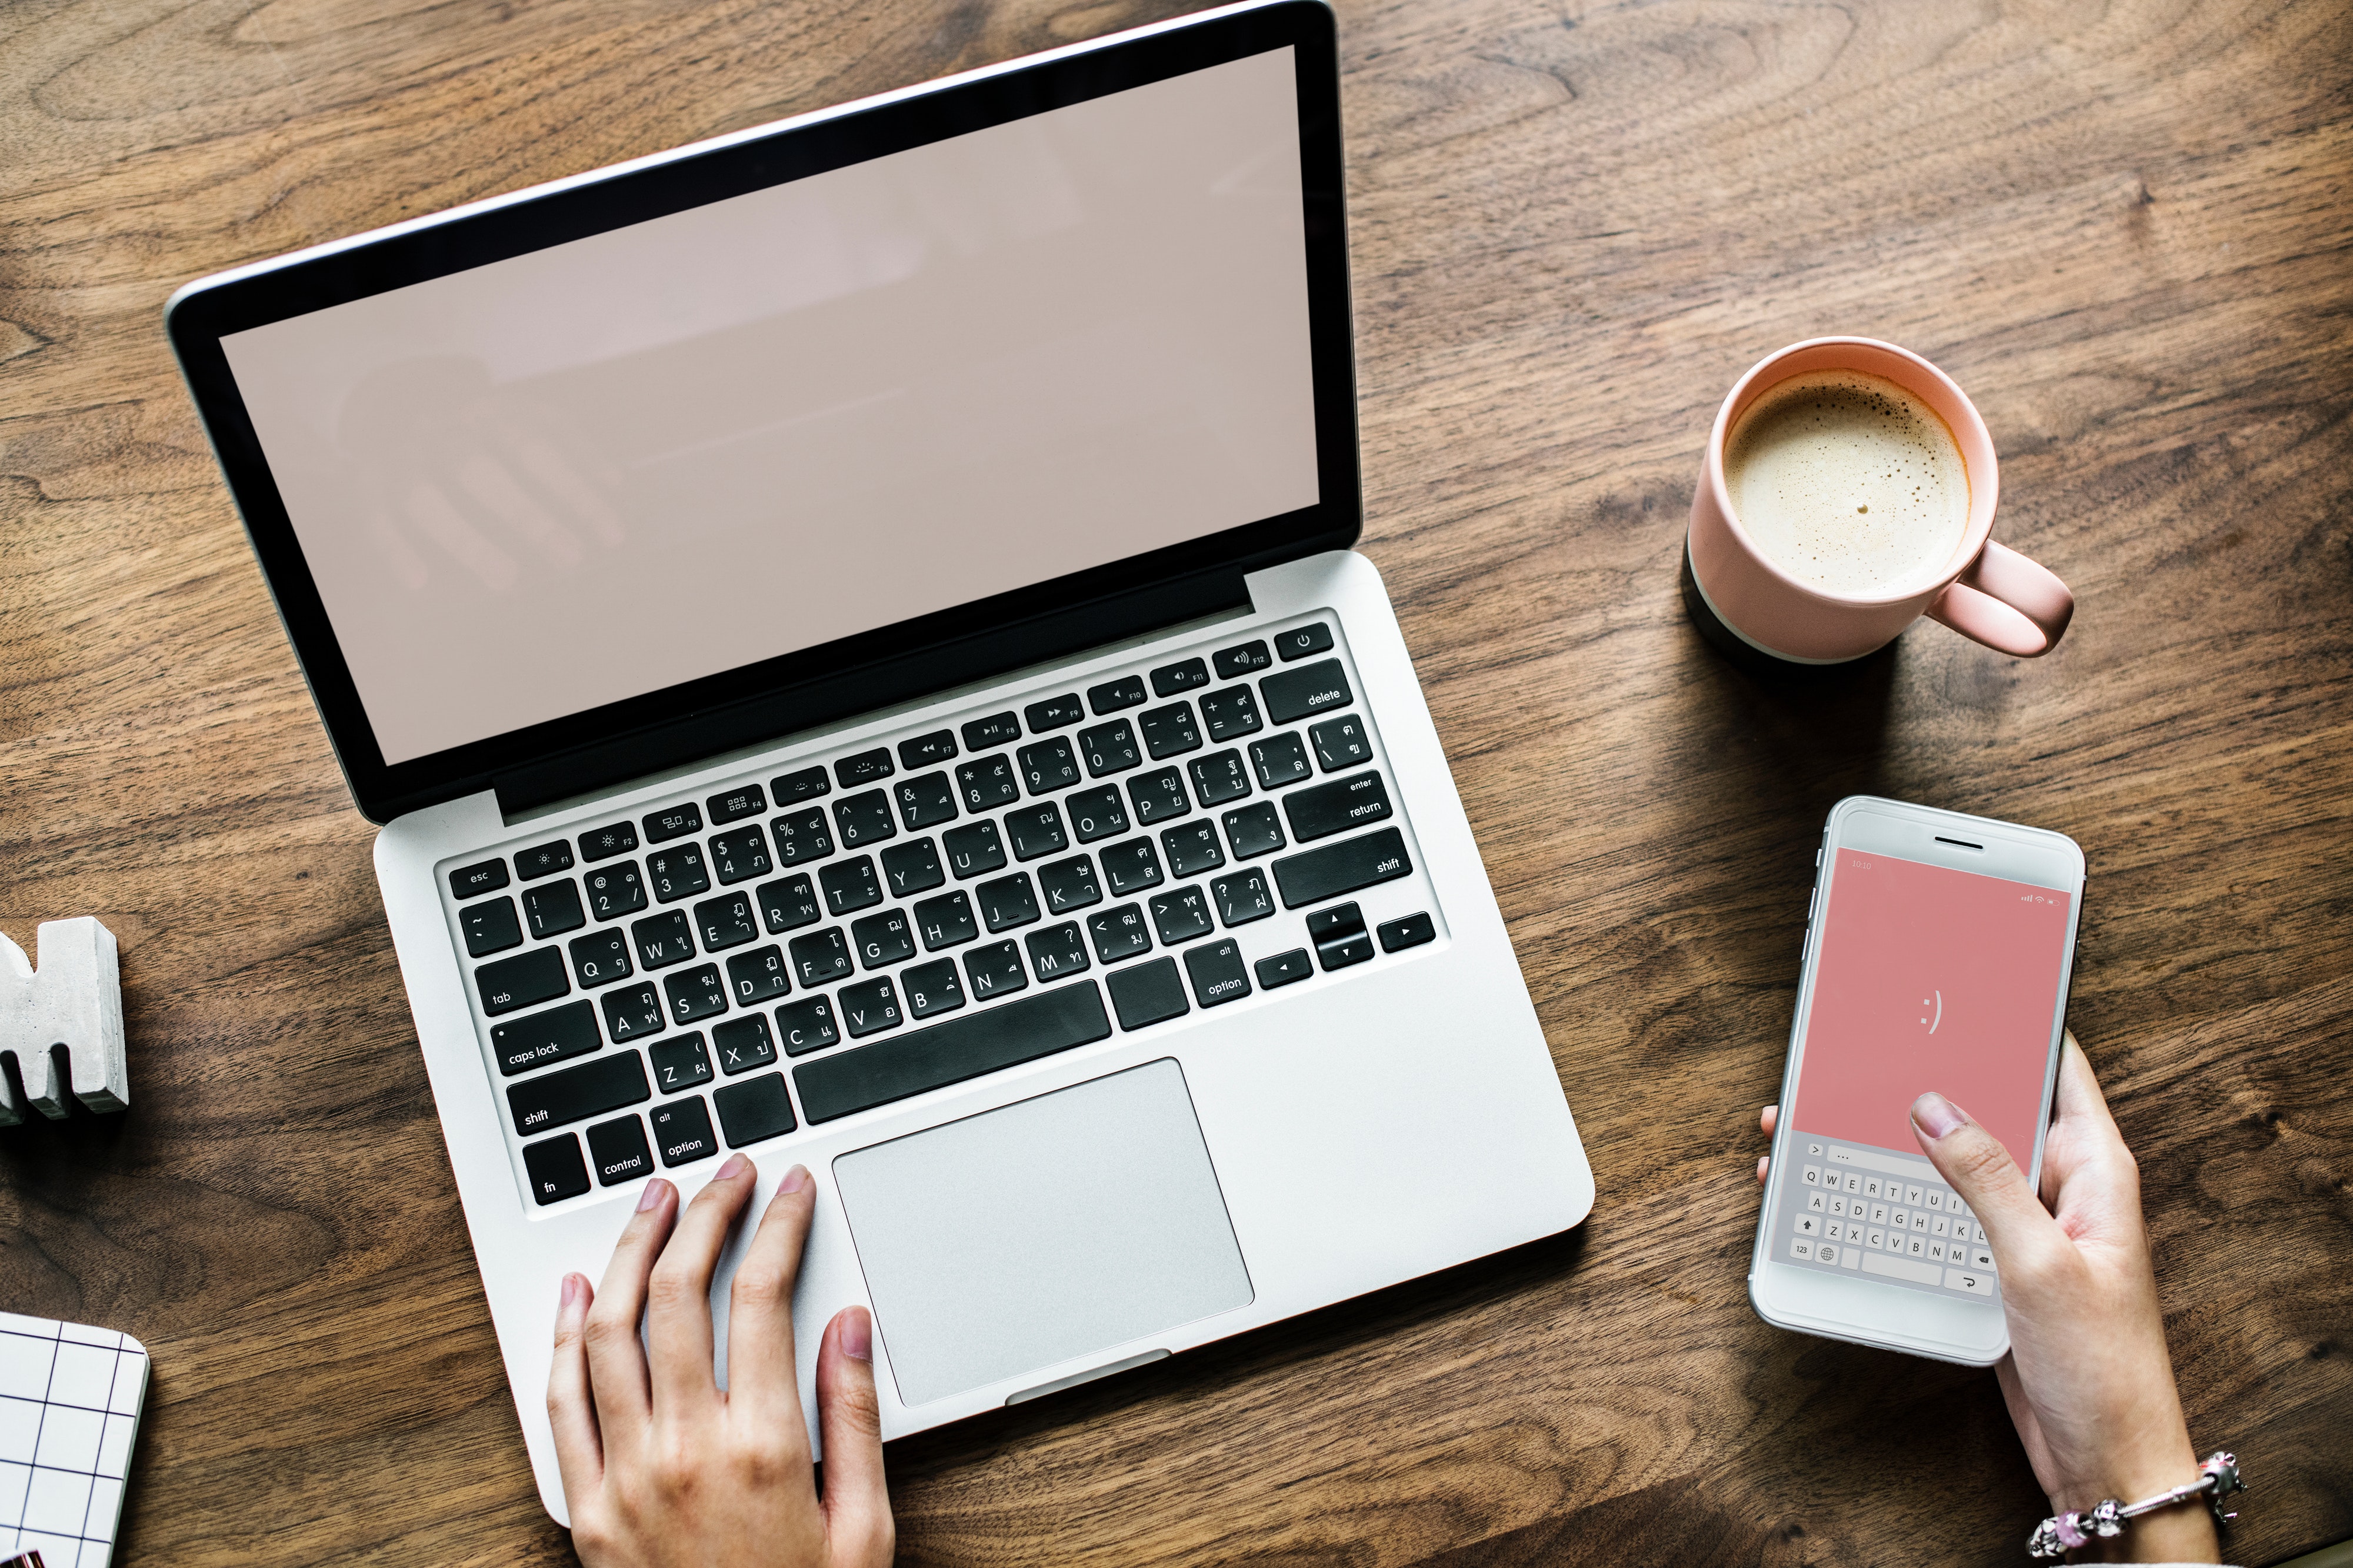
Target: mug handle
{"x":2007,"y":602}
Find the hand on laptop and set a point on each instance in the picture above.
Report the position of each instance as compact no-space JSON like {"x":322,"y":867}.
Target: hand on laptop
{"x":659,"y":1466}
{"x":2088,"y":1379}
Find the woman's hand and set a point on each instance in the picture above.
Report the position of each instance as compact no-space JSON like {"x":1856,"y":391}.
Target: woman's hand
{"x":659,"y":1466}
{"x":2088,"y":1379}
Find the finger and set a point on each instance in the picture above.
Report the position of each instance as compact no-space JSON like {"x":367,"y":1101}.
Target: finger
{"x":571,"y":1410}
{"x":1768,"y":1119}
{"x":678,"y":1297}
{"x":857,"y":1502}
{"x":1974,"y":1162}
{"x":616,"y":1361}
{"x":761,"y":1378}
{"x":1764,"y":1164}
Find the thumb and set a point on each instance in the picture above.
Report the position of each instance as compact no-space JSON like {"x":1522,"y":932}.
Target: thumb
{"x":857,"y":1502}
{"x":1976,"y":1166}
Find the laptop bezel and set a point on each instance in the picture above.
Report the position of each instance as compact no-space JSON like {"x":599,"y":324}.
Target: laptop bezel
{"x":599,"y":747}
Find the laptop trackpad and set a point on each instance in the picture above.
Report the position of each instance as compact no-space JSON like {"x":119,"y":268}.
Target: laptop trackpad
{"x":1040,"y":1232}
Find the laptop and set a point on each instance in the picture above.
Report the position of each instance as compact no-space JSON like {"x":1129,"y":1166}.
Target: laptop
{"x":851,"y":632}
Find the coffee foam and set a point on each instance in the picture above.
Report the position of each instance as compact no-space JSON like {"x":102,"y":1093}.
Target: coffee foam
{"x":1848,"y":483}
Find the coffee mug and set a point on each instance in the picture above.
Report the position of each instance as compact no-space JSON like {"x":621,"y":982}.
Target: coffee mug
{"x":1986,"y":590}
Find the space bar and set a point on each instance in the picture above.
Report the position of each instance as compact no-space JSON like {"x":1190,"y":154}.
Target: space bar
{"x":952,"y":1052}
{"x":1894,"y":1267}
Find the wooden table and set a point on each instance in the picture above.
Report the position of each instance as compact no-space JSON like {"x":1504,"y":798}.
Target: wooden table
{"x":2124,"y":229}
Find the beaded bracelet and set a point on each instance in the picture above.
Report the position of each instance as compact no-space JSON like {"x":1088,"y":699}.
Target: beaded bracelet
{"x":2219,"y":1477}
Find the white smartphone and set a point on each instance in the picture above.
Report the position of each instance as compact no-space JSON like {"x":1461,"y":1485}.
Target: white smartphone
{"x":1938,"y":952}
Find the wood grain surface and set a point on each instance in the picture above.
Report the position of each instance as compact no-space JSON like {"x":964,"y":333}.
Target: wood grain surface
{"x":2123,"y":227}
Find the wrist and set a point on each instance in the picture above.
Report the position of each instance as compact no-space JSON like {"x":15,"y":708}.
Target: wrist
{"x":2183,"y":1532}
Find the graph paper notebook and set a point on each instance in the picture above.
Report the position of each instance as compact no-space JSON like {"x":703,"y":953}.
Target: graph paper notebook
{"x":69,"y":1401}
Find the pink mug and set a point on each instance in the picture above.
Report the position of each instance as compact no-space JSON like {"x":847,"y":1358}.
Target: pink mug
{"x":1986,"y":591}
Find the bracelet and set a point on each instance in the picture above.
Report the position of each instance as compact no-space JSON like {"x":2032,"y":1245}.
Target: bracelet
{"x":2219,"y":1477}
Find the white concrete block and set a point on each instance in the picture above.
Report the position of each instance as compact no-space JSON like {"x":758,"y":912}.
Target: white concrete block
{"x":74,"y":1000}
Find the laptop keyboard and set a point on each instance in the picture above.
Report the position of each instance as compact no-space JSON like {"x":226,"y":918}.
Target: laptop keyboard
{"x":720,"y":971}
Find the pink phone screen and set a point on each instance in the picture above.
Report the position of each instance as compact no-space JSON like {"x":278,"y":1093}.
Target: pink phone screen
{"x":1930,"y":978}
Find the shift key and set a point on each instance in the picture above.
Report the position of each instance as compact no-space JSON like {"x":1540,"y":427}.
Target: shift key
{"x":1334,"y":807}
{"x":1342,"y":867}
{"x":574,"y":1094}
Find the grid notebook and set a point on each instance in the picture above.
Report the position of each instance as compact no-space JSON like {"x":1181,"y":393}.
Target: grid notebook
{"x":69,"y":1400}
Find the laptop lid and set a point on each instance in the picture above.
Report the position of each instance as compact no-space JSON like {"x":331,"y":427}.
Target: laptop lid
{"x":573,"y":485}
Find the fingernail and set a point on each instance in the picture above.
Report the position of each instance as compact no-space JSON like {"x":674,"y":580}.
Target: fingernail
{"x":569,"y":1291}
{"x":652,"y":1195}
{"x":736,"y":1167}
{"x":858,"y":1335}
{"x":795,"y":1179}
{"x":1934,"y":1115}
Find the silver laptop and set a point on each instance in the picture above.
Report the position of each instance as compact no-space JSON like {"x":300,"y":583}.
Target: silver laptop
{"x":851,"y":634}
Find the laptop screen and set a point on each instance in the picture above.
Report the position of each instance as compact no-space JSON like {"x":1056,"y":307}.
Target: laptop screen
{"x":634,"y":459}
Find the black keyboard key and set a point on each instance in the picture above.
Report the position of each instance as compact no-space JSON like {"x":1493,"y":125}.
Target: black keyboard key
{"x":1007,"y":903}
{"x":988,"y":783}
{"x":758,"y":976}
{"x":911,"y":869}
{"x":806,"y":1025}
{"x":865,"y":768}
{"x":995,"y":971}
{"x":576,"y":1093}
{"x":820,"y":956}
{"x":863,"y":818}
{"x":933,"y":988}
{"x":485,"y":876}
{"x":1342,"y":867}
{"x":1097,"y":813}
{"x":1110,"y":749}
{"x":545,"y":1038}
{"x":1407,"y":931}
{"x":869,"y":1007}
{"x":1130,"y":866}
{"x":1284,"y":969}
{"x":1169,"y":732}
{"x":725,"y":922}
{"x":1302,"y":693}
{"x":523,"y":981}
{"x":1217,"y":972}
{"x":945,"y":920}
{"x":939,"y":746}
{"x":1234,"y":662}
{"x":1335,"y":807}
{"x":1301,"y":641}
{"x":661,"y":827}
{"x":996,"y":730}
{"x":682,"y":1132}
{"x":1049,"y":765}
{"x":679,"y":873}
{"x":952,"y":1051}
{"x":1159,"y":795}
{"x":1057,"y":951}
{"x":489,"y":928}
{"x":543,"y":861}
{"x":1241,"y":898}
{"x":1192,"y":847}
{"x":973,"y":849}
{"x":742,"y":1044}
{"x":1253,"y":830}
{"x":694,"y":993}
{"x":740,"y":855}
{"x":1230,"y":714}
{"x":882,"y":940}
{"x":604,"y":843}
{"x":1339,"y":936}
{"x":1069,"y":885}
{"x":927,"y":801}
{"x":1148,"y":993}
{"x":555,"y":1169}
{"x":1183,"y":676}
{"x":754,"y":1110}
{"x":1340,"y":743}
{"x":794,"y":788}
{"x":1180,"y":914}
{"x":1054,"y":713}
{"x":734,"y":804}
{"x":1279,"y":760}
{"x":617,"y":1149}
{"x":804,"y":835}
{"x":679,"y":1064}
{"x":1112,"y":696}
{"x":851,"y":886}
{"x":553,"y":909}
{"x":1036,"y":830}
{"x":632,"y":1013}
{"x":787,"y":904}
{"x":1120,"y":933}
{"x":600,"y":958}
{"x":1219,"y":777}
{"x":616,"y":890}
{"x":663,"y":940}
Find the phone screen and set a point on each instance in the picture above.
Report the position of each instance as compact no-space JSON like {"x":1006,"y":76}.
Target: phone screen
{"x":1927,"y":977}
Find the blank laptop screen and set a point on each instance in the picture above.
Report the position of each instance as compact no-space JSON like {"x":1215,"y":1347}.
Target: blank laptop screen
{"x":675,"y":448}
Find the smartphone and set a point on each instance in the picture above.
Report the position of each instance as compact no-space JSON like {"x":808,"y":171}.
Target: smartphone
{"x":1938,"y":952}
